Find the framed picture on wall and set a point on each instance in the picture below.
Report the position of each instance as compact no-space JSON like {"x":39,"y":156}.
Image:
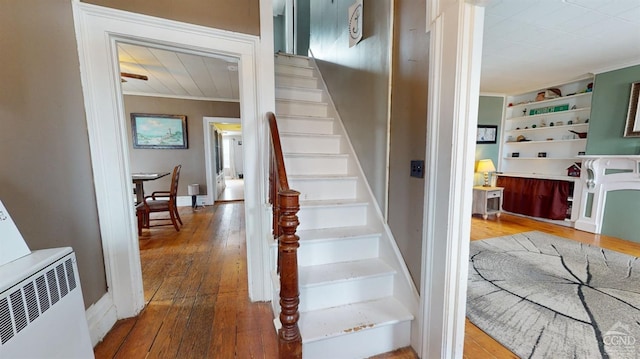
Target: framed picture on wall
{"x":487,"y":134}
{"x":159,"y":131}
{"x":632,"y":127}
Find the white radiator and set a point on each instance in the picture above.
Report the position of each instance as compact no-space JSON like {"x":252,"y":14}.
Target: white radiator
{"x":41,"y":308}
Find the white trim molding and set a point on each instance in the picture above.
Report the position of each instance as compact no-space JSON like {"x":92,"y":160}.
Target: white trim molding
{"x":599,"y":175}
{"x":98,"y":30}
{"x":456,"y":29}
{"x":101,"y":316}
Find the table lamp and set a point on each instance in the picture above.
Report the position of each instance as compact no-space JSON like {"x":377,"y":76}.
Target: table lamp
{"x":484,"y":167}
{"x":194,"y":191}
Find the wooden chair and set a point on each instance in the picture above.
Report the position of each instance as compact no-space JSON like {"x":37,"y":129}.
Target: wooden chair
{"x":160,"y":201}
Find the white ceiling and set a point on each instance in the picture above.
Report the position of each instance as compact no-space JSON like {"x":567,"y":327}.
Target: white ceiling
{"x":179,"y":75}
{"x":528,"y":45}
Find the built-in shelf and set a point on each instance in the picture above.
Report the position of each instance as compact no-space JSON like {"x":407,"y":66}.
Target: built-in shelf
{"x":545,"y":141}
{"x":549,"y":114}
{"x":549,"y":101}
{"x":543,"y":158}
{"x":539,"y":176}
{"x":550,"y":128}
{"x":550,"y":149}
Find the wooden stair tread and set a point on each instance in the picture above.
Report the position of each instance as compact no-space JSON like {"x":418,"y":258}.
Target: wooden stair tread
{"x":337,"y":233}
{"x":298,"y":88}
{"x":296,"y":154}
{"x":300,"y":134}
{"x":308,"y":118}
{"x":321,"y":177}
{"x":304,"y":102}
{"x":332,"y":202}
{"x":281,"y":74}
{"x":342,"y":272}
{"x":326,"y":323}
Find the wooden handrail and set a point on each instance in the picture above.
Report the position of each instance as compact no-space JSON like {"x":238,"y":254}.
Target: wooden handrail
{"x":285,"y":202}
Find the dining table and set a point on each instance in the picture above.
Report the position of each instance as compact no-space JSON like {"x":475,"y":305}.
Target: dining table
{"x":140,"y":178}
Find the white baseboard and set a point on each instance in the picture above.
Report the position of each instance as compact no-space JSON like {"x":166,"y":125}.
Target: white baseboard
{"x":101,"y":316}
{"x":185,"y":201}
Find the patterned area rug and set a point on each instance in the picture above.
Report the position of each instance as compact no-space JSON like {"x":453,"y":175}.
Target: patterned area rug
{"x":544,"y":296}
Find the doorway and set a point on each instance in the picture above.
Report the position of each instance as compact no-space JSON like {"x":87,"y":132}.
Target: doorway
{"x":225,"y":159}
{"x":233,"y":164}
{"x":98,"y":31}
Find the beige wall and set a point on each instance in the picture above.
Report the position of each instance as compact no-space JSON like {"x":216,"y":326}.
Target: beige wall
{"x":233,"y":15}
{"x":358,"y":79}
{"x":408,"y":129}
{"x":192,"y":159}
{"x":46,"y":179}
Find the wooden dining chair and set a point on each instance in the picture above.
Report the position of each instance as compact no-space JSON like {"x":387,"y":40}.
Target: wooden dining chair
{"x":160,"y":201}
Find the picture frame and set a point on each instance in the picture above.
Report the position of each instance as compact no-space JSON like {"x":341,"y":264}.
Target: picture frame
{"x":153,"y":131}
{"x":487,"y":134}
{"x":632,"y":126}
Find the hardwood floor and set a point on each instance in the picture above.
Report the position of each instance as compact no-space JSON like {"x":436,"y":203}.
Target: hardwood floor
{"x":195,"y":287}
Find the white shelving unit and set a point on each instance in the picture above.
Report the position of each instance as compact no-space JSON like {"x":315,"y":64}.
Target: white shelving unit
{"x":549,"y":147}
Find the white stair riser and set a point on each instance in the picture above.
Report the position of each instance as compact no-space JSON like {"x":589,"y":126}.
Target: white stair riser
{"x":294,"y":108}
{"x":310,"y":144}
{"x":312,"y":189}
{"x":305,"y":125}
{"x":341,"y":293}
{"x":335,"y":251}
{"x":291,"y":60}
{"x":317,"y":217}
{"x":294,"y":70}
{"x":275,"y":288}
{"x":297,"y":81}
{"x":330,"y":165}
{"x":299,"y":93}
{"x":361,"y":343}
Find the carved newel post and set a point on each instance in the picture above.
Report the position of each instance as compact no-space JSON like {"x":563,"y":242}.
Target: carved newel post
{"x":290,"y":341}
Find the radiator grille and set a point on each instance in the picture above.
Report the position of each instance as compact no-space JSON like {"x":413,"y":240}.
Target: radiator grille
{"x":6,"y":329}
{"x":43,"y":297}
{"x":53,"y":286}
{"x":17,"y":306}
{"x":70,"y":274}
{"x":64,"y":289}
{"x":32,"y":301}
{"x":35,"y":295}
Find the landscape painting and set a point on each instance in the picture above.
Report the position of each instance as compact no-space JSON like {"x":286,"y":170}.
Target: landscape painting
{"x":159,"y":131}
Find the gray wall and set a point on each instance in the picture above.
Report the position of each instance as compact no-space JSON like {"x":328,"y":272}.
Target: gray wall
{"x":358,"y":79}
{"x":46,"y":181}
{"x":408,"y":129}
{"x":192,"y":159}
{"x":302,"y":28}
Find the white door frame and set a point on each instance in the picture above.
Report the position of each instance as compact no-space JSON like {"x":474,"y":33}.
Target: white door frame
{"x":207,"y":122}
{"x":456,"y":29}
{"x":98,"y":30}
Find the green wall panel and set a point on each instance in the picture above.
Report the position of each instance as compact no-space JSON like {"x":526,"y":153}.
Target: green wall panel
{"x":621,"y":215}
{"x":609,"y":106}
{"x":489,"y":113}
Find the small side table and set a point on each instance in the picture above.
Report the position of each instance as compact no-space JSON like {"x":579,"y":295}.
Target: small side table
{"x":487,"y":200}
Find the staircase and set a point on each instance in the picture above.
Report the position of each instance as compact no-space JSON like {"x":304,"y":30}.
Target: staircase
{"x":356,"y":296}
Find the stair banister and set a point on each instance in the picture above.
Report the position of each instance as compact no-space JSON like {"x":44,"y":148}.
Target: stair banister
{"x":285,"y":202}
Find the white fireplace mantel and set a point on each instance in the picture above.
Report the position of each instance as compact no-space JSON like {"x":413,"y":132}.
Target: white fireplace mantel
{"x":601,"y":174}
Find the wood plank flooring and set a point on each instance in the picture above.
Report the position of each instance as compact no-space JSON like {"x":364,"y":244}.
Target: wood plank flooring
{"x":195,"y":287}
